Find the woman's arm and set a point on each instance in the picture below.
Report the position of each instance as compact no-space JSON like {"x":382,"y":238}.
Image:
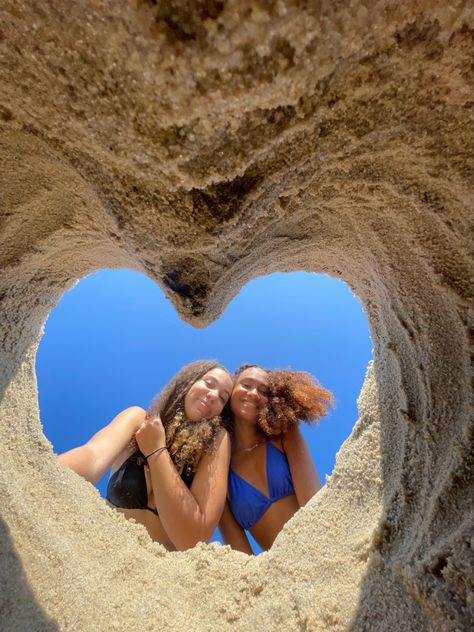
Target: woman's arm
{"x":188,"y":516}
{"x":303,"y":472}
{"x":92,"y":459}
{"x":232,"y":533}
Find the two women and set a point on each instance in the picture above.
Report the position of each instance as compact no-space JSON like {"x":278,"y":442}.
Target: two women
{"x":170,"y":465}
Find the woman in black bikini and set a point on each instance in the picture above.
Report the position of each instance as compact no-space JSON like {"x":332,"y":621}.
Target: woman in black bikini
{"x":170,"y":463}
{"x":271,"y":474}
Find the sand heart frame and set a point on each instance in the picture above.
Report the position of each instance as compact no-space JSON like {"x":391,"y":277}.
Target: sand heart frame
{"x":205,"y":143}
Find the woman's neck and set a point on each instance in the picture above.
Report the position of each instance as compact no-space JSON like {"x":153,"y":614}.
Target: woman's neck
{"x":245,"y":435}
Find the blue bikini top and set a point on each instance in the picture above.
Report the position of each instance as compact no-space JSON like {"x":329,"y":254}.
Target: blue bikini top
{"x":247,"y":503}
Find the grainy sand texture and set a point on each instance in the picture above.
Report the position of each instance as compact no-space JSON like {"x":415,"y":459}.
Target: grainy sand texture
{"x":205,"y":143}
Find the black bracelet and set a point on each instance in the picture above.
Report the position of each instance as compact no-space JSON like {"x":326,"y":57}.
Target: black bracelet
{"x":155,"y":451}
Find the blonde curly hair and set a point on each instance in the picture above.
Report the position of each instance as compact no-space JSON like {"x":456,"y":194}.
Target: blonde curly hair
{"x":186,"y":440}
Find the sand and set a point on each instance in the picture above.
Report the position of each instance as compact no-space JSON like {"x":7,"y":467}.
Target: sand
{"x":205,"y":144}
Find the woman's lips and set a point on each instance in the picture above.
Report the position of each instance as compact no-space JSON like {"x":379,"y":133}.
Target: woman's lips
{"x":247,"y":404}
{"x":204,"y":405}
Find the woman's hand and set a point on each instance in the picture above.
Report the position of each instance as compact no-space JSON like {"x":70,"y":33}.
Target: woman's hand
{"x":151,"y":436}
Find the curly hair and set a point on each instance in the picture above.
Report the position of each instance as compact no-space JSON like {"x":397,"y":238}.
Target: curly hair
{"x":186,"y":440}
{"x":293,"y":396}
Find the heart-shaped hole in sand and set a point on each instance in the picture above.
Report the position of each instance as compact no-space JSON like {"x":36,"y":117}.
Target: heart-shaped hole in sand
{"x":114,"y":341}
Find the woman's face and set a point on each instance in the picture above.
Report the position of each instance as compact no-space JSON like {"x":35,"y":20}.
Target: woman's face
{"x":208,"y":396}
{"x":250,"y":394}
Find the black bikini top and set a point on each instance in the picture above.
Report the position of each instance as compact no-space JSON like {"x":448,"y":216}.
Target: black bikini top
{"x":127,"y":485}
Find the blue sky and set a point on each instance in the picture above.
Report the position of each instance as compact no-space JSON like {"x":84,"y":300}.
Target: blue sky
{"x":114,"y":340}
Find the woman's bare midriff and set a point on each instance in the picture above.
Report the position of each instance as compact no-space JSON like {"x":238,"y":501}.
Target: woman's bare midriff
{"x":270,"y":524}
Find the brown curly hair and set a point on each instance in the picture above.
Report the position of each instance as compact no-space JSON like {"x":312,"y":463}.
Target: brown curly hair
{"x":293,"y":396}
{"x":186,"y":440}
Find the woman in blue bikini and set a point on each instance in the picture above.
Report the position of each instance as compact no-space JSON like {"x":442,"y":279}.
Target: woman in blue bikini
{"x":271,"y":474}
{"x":170,"y":463}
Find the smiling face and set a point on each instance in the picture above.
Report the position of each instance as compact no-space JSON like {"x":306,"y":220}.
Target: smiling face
{"x":208,"y":396}
{"x":250,"y":394}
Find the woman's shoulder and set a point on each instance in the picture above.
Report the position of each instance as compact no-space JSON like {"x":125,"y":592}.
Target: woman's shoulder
{"x":277,"y":442}
{"x":218,"y":456}
{"x":222,"y":438}
{"x":221,"y":446}
{"x":133,"y":415}
{"x":134,"y":410}
{"x":293,"y":438}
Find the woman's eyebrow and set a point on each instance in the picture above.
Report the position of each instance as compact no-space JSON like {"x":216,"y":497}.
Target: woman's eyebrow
{"x":254,"y":381}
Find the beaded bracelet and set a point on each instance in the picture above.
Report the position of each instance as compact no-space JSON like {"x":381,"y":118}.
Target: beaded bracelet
{"x":155,"y":451}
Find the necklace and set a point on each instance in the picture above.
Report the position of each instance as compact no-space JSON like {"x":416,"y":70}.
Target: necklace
{"x":252,"y":447}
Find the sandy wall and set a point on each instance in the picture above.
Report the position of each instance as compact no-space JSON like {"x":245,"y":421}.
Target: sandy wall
{"x":194,"y":141}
